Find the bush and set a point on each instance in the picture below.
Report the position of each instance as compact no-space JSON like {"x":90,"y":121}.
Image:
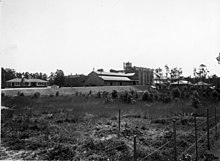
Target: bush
{"x":114,"y":94}
{"x":36,"y":95}
{"x":57,"y":93}
{"x":156,"y":96}
{"x":214,"y":94}
{"x":195,"y":102}
{"x":126,"y":97}
{"x":195,"y":93}
{"x":176,"y":93}
{"x":20,"y":93}
{"x":3,"y":94}
{"x":61,"y":152}
{"x":98,"y":95}
{"x":167,"y":99}
{"x":160,"y":121}
{"x":183,"y":94}
{"x":147,"y":96}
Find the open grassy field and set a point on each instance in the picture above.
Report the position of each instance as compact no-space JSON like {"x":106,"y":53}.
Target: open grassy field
{"x":69,"y":90}
{"x":69,"y":127}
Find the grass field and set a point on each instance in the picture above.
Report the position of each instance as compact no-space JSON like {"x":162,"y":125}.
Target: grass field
{"x":69,"y":90}
{"x":70,"y":127}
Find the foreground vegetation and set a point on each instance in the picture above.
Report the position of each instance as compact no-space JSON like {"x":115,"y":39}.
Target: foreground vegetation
{"x":81,"y":127}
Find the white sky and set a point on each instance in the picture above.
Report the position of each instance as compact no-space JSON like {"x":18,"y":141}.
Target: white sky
{"x":77,"y":35}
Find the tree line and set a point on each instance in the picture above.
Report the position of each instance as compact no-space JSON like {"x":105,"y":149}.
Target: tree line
{"x":199,"y":74}
{"x":57,"y":77}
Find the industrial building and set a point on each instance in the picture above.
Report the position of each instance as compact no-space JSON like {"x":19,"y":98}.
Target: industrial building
{"x":128,"y":76}
{"x":96,"y":78}
{"x":142,"y":76}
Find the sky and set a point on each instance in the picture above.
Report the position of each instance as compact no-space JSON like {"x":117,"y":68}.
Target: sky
{"x":79,"y":35}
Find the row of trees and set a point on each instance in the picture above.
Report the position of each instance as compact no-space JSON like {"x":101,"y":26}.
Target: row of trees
{"x":57,"y":77}
{"x":200,"y":73}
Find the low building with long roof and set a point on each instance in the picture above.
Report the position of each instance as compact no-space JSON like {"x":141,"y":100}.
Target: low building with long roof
{"x":23,"y":82}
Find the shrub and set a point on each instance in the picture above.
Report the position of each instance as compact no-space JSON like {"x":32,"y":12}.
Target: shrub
{"x":147,"y":96}
{"x":176,"y":93}
{"x":195,"y":102}
{"x":36,"y":95}
{"x":183,"y":94}
{"x":51,"y":95}
{"x":114,"y":94}
{"x":214,"y":94}
{"x":3,"y":94}
{"x":195,"y":93}
{"x":167,"y":99}
{"x":57,"y":93}
{"x":20,"y":93}
{"x":98,"y":95}
{"x":126,"y":97}
{"x":160,"y":121}
{"x":61,"y":152}
{"x":156,"y":96}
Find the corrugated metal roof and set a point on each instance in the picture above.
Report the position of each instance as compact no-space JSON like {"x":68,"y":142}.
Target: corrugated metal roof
{"x":113,"y":78}
{"x":114,"y":74}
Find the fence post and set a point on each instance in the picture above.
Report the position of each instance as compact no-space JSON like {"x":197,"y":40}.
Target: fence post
{"x":135,"y":148}
{"x":174,"y":139}
{"x":119,"y":122}
{"x":208,"y":143}
{"x":216,"y":124}
{"x":196,"y":138}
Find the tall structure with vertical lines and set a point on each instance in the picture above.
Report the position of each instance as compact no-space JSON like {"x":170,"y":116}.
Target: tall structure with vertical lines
{"x":143,"y":76}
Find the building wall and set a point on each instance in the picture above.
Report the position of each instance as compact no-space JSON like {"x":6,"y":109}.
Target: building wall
{"x":94,"y":80}
{"x":18,"y":84}
{"x":25,"y":84}
{"x":143,"y":75}
{"x":41,"y":84}
{"x":117,"y":83}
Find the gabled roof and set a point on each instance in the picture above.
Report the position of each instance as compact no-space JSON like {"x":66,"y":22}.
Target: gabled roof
{"x":182,"y":82}
{"x":114,"y":74}
{"x":37,"y":80}
{"x":17,"y":80}
{"x":200,"y":83}
{"x":27,"y":80}
{"x":114,"y":78}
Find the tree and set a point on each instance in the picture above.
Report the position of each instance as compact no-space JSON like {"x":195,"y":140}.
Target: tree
{"x":202,"y":72}
{"x":159,"y":74}
{"x":51,"y":78}
{"x":176,"y":73}
{"x":100,"y":70}
{"x":18,"y":75}
{"x":26,"y":75}
{"x":167,"y":70}
{"x":7,"y":74}
{"x":59,"y":78}
{"x":44,"y":76}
